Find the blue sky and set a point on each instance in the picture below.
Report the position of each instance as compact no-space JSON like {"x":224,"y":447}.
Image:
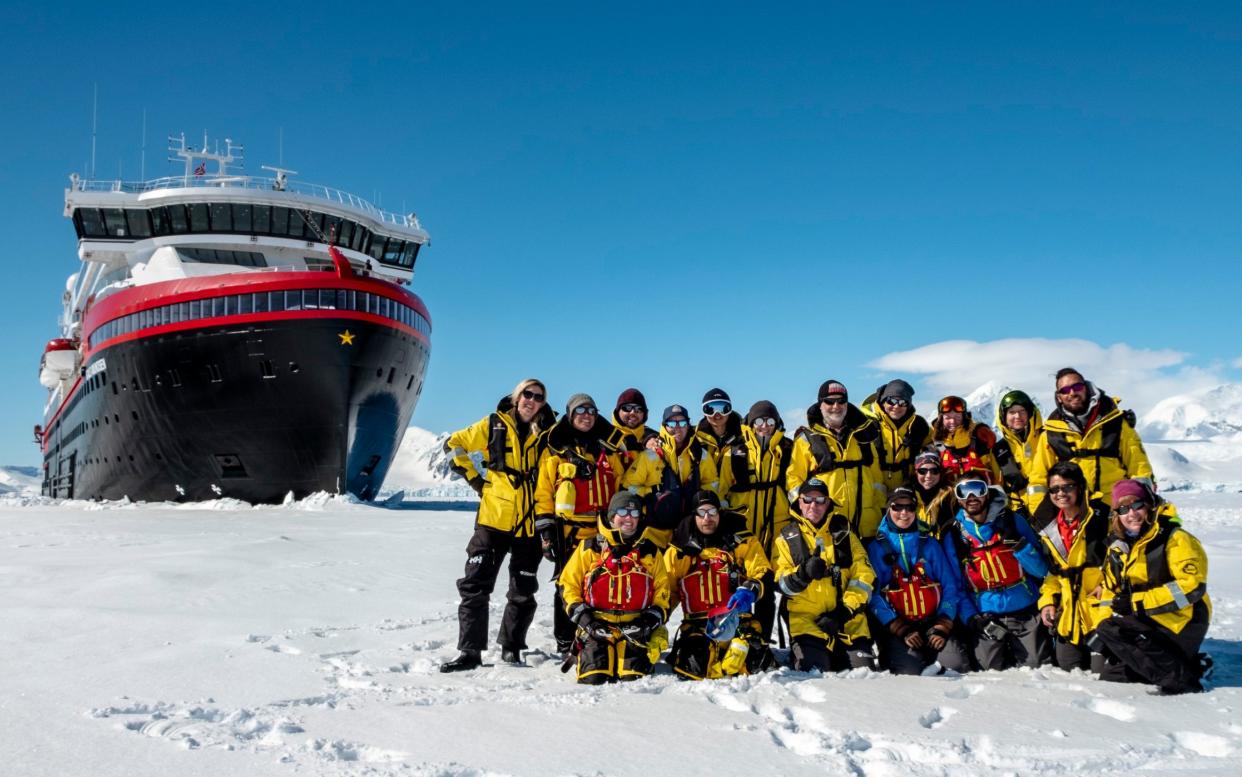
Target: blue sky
{"x":677,"y":197}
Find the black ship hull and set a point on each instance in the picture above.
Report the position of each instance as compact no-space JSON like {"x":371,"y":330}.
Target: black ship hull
{"x":251,"y":411}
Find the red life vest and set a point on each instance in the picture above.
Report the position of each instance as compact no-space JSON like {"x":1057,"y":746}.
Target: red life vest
{"x":991,"y":566}
{"x":957,"y":464}
{"x":592,"y":494}
{"x":709,"y":583}
{"x":913,"y":596}
{"x":619,"y":585}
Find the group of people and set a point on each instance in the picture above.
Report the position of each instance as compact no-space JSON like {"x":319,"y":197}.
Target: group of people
{"x":871,"y":537}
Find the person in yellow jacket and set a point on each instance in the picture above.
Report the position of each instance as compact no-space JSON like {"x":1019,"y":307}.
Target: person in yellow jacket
{"x":510,"y":441}
{"x":1090,"y":428}
{"x":716,"y":571}
{"x":1020,"y":424}
{"x":937,"y":506}
{"x":616,"y":590}
{"x":629,"y":422}
{"x":902,"y":431}
{"x":720,"y":426}
{"x":963,"y":443}
{"x":684,"y":467}
{"x":579,"y":472}
{"x":752,"y":482}
{"x":1154,"y":605}
{"x":838,"y":447}
{"x":822,"y":569}
{"x":1073,"y":528}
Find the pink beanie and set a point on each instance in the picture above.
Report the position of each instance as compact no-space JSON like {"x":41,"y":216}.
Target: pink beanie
{"x":1134,"y":488}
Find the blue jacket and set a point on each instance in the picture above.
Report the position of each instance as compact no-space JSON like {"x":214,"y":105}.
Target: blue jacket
{"x":1019,"y":596}
{"x":906,"y":549}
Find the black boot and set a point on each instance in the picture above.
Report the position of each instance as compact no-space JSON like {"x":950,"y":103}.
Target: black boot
{"x":469,"y":659}
{"x":512,"y":657}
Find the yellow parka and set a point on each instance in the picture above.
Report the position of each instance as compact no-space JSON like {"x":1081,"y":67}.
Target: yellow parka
{"x":898,"y":442}
{"x":630,"y":438}
{"x":591,"y":553}
{"x":1165,"y":571}
{"x":507,"y":501}
{"x":731,"y":542}
{"x":715,"y":445}
{"x":846,"y":462}
{"x":689,"y":470}
{"x":752,"y":482}
{"x":856,"y":577}
{"x":1109,"y":450}
{"x":561,"y":468}
{"x":936,"y":510}
{"x":1073,"y":572}
{"x":972,"y":441}
{"x":1014,"y":455}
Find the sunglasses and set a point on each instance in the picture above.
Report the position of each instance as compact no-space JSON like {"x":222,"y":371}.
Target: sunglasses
{"x":818,"y":500}
{"x":952,"y":405}
{"x":902,"y":507}
{"x":717,"y":407}
{"x":1136,"y":505}
{"x":833,"y":400}
{"x":585,"y":410}
{"x":631,"y":407}
{"x":764,"y":422}
{"x":1072,"y":388}
{"x":707,"y":512}
{"x":1062,"y":489}
{"x":928,"y":470}
{"x":896,"y":402}
{"x":677,"y":424}
{"x":968,"y":488}
{"x":533,"y":396}
{"x":627,"y":512}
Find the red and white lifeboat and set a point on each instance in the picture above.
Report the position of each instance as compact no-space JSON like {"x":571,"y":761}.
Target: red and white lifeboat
{"x":60,"y":360}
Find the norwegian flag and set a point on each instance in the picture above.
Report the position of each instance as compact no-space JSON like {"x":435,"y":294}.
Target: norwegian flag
{"x":201,"y":169}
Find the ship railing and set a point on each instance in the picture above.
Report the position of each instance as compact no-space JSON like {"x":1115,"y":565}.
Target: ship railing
{"x":315,"y":190}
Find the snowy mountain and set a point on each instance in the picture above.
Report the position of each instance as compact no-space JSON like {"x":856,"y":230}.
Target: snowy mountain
{"x":23,"y":481}
{"x":1210,"y":414}
{"x":421,"y":468}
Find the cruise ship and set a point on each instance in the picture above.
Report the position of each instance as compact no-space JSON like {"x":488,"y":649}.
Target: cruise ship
{"x":231,"y":336}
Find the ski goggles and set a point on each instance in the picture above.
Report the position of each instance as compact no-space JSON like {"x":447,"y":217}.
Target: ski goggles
{"x":717,"y":407}
{"x":632,"y":407}
{"x":901,"y":507}
{"x":1137,"y":504}
{"x":707,"y":512}
{"x":533,"y":396}
{"x":585,"y":410}
{"x":676,"y":423}
{"x":896,"y":402}
{"x":1054,"y":490}
{"x":763,"y":422}
{"x":968,"y":488}
{"x":627,"y":512}
{"x":1072,"y":388}
{"x":816,"y":500}
{"x":928,"y":470}
{"x":952,"y":405}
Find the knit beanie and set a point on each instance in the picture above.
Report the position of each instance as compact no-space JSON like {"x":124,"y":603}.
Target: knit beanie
{"x":1134,"y":488}
{"x":631,"y":396}
{"x":897,"y":389}
{"x":832,"y":388}
{"x":578,"y":400}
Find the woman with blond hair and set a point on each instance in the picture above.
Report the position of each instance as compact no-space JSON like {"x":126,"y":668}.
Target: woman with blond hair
{"x":510,"y":441}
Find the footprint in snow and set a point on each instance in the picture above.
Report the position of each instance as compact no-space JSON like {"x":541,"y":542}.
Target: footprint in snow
{"x":964,"y":691}
{"x":809,"y":693}
{"x":729,"y":702}
{"x":1109,"y":708}
{"x":1208,"y":745}
{"x":936,"y":717}
{"x":286,"y":649}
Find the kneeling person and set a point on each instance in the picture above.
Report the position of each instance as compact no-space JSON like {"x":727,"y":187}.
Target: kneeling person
{"x":822,"y":570}
{"x":716,"y":567}
{"x":917,"y":591}
{"x":615,"y":589}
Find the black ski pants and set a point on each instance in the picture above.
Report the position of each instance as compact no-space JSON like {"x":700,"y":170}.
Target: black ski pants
{"x":484,"y":554}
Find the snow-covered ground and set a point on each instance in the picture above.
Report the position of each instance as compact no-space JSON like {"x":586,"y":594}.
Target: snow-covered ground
{"x":221,"y":639}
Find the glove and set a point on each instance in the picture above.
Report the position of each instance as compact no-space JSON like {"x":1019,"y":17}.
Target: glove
{"x":545,"y":527}
{"x":834,"y":620}
{"x":600,"y":630}
{"x":1123,"y":603}
{"x":582,"y":614}
{"x":642,"y":627}
{"x":476,"y":483}
{"x":813,"y":568}
{"x":905,"y":631}
{"x":742,"y":600}
{"x":585,"y":470}
{"x":939,"y":633}
{"x":987,"y":628}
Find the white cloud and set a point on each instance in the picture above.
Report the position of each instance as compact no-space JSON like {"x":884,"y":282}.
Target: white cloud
{"x":1140,"y":376}
{"x":1237,"y":363}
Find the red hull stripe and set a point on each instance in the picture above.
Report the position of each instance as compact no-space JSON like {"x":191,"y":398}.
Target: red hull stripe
{"x":154,"y":295}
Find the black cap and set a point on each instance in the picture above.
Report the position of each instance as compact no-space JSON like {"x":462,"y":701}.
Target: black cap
{"x":832,"y":387}
{"x":813,"y":484}
{"x":705,"y":497}
{"x":763,"y":409}
{"x":901,"y":492}
{"x":716,"y":393}
{"x":624,"y":499}
{"x":672,"y":411}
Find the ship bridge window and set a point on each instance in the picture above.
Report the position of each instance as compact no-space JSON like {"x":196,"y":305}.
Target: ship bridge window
{"x":345,"y":233}
{"x":198,"y":217}
{"x":410,"y":255}
{"x":296,"y":225}
{"x":177,"y":220}
{"x":241,"y":218}
{"x":92,"y":223}
{"x":393,"y":251}
{"x":114,"y":222}
{"x":376,"y":249}
{"x":159,"y":221}
{"x":217,"y":256}
{"x":262,"y":219}
{"x":280,"y":221}
{"x":221,"y":217}
{"x":139,"y":222}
